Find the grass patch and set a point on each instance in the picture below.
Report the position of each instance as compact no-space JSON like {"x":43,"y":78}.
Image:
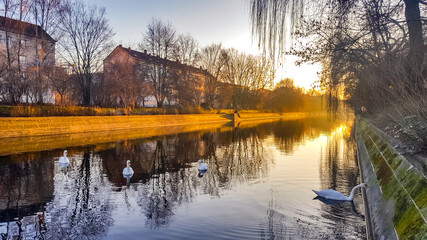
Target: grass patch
{"x":53,"y":110}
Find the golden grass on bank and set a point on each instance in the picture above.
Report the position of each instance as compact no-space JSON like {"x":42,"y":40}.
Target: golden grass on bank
{"x":52,"y":110}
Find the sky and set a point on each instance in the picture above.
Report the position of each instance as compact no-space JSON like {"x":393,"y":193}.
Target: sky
{"x":208,"y":21}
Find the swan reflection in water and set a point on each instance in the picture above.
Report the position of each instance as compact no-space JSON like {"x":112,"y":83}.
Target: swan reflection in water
{"x":330,"y":201}
{"x":64,"y":168}
{"x":127,"y":180}
{"x":201,"y":173}
{"x":339,"y":202}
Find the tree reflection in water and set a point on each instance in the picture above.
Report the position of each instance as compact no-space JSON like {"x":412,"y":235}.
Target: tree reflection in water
{"x":165,"y":167}
{"x":273,"y":227}
{"x":86,"y":197}
{"x":339,"y":170}
{"x":82,"y":205}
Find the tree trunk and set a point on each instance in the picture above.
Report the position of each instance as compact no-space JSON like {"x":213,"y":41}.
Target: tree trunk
{"x":416,"y":41}
{"x":39,"y":89}
{"x":86,"y":93}
{"x":159,"y":103}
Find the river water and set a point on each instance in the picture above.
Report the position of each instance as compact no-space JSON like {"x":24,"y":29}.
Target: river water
{"x":258,"y":186}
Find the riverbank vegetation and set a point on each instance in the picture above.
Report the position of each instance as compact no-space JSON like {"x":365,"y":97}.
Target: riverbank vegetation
{"x":284,"y":98}
{"x":54,"y":110}
{"x":372,"y":52}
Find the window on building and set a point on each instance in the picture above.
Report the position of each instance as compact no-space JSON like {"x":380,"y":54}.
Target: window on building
{"x":22,"y":59}
{"x":23,"y":42}
{"x":9,"y":40}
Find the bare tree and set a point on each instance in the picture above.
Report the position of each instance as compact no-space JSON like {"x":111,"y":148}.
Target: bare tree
{"x":186,"y":85}
{"x":13,"y":86}
{"x":186,"y":50}
{"x":124,"y":86}
{"x":273,"y":22}
{"x":60,"y":80}
{"x":237,"y":72}
{"x":87,"y":38}
{"x":159,"y":39}
{"x":45,"y":13}
{"x":212,"y":58}
{"x":262,"y":73}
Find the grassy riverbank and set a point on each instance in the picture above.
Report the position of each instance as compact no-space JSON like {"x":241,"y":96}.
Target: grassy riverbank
{"x":54,"y":110}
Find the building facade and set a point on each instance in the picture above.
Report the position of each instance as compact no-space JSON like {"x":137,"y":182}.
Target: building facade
{"x":25,"y":44}
{"x":25,"y":49}
{"x":164,"y":82}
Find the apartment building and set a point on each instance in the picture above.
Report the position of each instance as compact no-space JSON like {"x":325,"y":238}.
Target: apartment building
{"x":185,"y":84}
{"x":25,"y":44}
{"x":25,"y":49}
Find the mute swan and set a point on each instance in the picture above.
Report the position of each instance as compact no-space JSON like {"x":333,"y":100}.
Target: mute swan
{"x":202,"y":166}
{"x":335,"y":195}
{"x":64,"y":159}
{"x":63,"y":165}
{"x":127,"y":171}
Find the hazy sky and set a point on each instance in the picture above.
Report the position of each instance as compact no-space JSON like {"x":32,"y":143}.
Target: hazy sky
{"x":208,"y":21}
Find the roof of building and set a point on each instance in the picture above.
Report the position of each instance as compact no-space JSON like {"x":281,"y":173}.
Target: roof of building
{"x":150,"y":58}
{"x":25,"y":28}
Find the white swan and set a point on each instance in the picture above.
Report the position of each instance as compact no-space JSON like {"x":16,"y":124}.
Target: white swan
{"x":335,"y":195}
{"x":127,"y":171}
{"x":202,"y":166}
{"x":63,"y":165}
{"x":64,"y":159}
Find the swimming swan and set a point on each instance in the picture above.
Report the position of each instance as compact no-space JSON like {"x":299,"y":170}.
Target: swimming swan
{"x":335,"y":195}
{"x":127,"y":171}
{"x":202,"y":166}
{"x":64,"y":159}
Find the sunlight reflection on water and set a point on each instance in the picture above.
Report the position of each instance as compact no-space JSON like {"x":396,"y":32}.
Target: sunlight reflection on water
{"x":258,"y":186}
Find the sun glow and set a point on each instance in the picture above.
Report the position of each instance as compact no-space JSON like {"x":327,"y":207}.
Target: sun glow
{"x":304,"y":75}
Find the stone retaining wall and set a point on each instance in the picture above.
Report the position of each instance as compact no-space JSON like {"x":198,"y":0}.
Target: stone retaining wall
{"x":397,"y":192}
{"x":19,"y":135}
{"x":18,"y":145}
{"x":39,"y":126}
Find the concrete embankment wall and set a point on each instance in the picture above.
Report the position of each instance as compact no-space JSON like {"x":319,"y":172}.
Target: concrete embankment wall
{"x":18,"y":145}
{"x":19,"y":135}
{"x":38,"y":126}
{"x":397,"y":192}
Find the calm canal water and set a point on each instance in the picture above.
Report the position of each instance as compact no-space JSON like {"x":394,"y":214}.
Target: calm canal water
{"x":258,"y":186}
